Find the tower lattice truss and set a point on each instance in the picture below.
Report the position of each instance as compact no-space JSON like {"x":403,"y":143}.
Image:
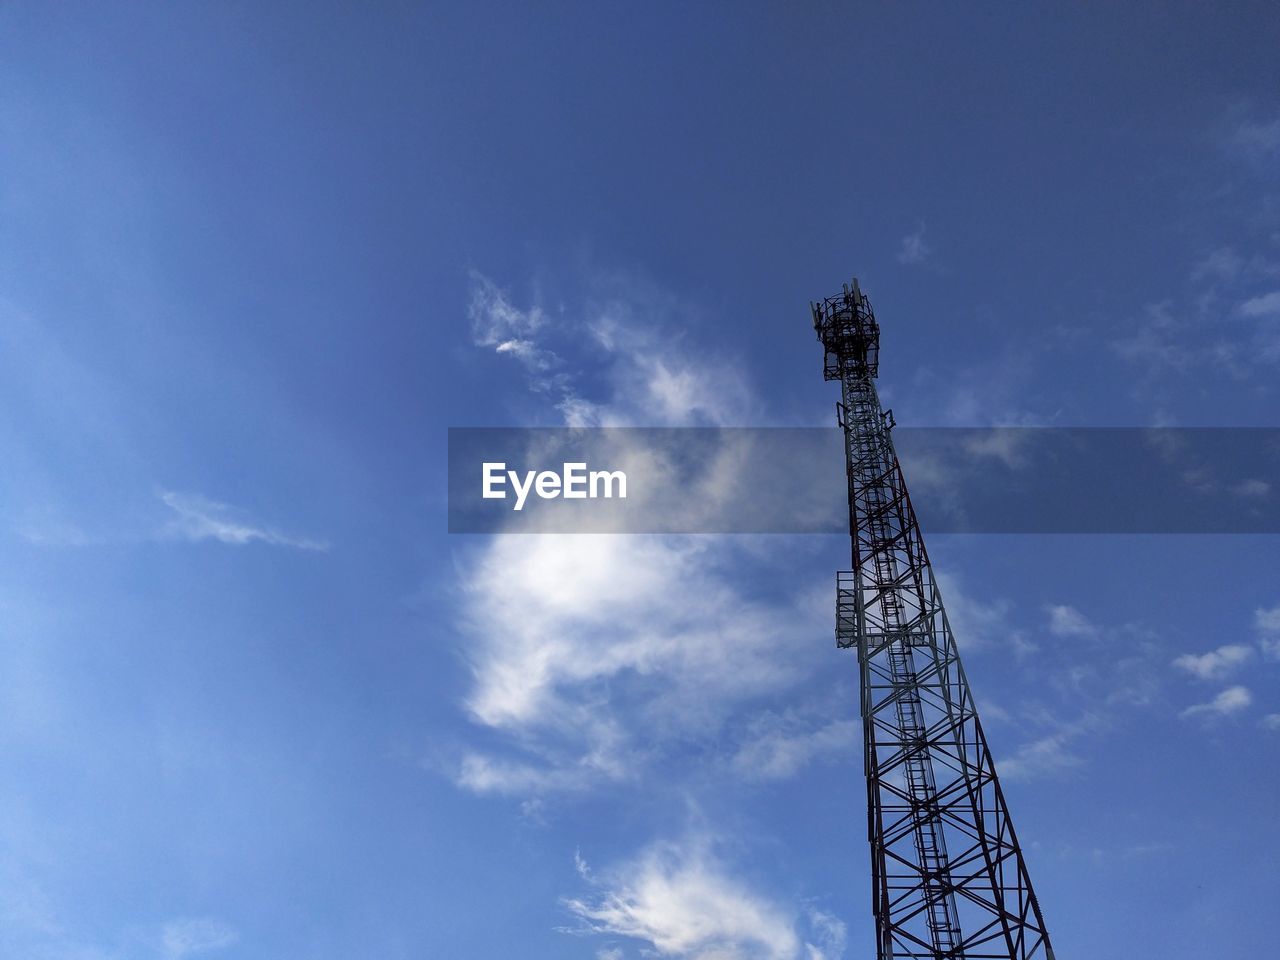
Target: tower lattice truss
{"x":948,"y":878}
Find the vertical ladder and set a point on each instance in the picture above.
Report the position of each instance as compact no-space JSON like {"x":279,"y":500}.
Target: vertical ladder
{"x":930,"y":841}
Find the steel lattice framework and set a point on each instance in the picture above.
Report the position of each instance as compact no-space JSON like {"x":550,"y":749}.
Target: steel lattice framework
{"x":948,"y":876}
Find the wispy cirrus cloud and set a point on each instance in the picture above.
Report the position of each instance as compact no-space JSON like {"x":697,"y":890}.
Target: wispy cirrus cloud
{"x":197,"y":518}
{"x":36,"y":925}
{"x":189,"y":517}
{"x":1256,"y":138}
{"x":1227,"y":320}
{"x":1266,"y":623}
{"x":779,"y":745}
{"x":595,"y":655}
{"x":1095,"y":689}
{"x":648,"y":377}
{"x":914,"y":249}
{"x":681,"y":901}
{"x":1230,"y":701}
{"x":1067,"y":621}
{"x":1216,"y":663}
{"x":977,"y":623}
{"x":1057,"y":752}
{"x":496,"y":322}
{"x":1048,"y":756}
{"x":191,"y":937}
{"x":1264,"y":305}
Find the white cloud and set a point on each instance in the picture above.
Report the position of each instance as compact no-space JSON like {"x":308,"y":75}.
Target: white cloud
{"x":1258,"y":139}
{"x":579,"y":639}
{"x":1067,"y":621}
{"x":1271,"y":721}
{"x":198,"y":518}
{"x":1267,"y":305}
{"x":189,"y":937}
{"x":1053,"y":754}
{"x":499,"y":325}
{"x":192,"y":517}
{"x":1171,"y":341}
{"x":1222,"y":264}
{"x":649,"y":378}
{"x":1251,"y":488}
{"x":655,"y":381}
{"x":1182,"y":337}
{"x":1048,"y":756}
{"x":1215,"y":664}
{"x":582,"y":645}
{"x":990,"y":711}
{"x":1152,"y":849}
{"x":496,"y":323}
{"x":1267,"y":623}
{"x":976,"y":623}
{"x":680,"y":901}
{"x":831,"y":934}
{"x":1137,"y":677}
{"x":1157,"y":340}
{"x":914,"y":249}
{"x":779,"y":746}
{"x":1229,"y":701}
{"x":1227,"y":266}
{"x":1267,"y":620}
{"x":484,"y":774}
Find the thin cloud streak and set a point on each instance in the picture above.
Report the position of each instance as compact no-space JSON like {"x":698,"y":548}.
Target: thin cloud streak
{"x":914,"y":249}
{"x":198,"y":518}
{"x":196,"y":936}
{"x":1229,"y":701}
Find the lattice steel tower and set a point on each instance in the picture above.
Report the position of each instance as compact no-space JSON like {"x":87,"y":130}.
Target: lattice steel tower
{"x":947,"y":875}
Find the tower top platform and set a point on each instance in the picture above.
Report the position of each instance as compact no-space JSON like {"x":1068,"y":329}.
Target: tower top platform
{"x":847,"y":327}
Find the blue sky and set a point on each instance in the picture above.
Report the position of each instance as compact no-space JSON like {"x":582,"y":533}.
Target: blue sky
{"x":255,"y":702}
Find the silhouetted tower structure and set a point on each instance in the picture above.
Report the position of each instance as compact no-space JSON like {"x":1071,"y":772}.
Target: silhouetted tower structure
{"x":947,"y":875}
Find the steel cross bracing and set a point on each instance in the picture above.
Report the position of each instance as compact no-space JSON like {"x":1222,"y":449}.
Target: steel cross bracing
{"x":948,"y":877}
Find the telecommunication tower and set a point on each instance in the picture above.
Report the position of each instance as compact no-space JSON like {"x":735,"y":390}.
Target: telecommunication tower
{"x":948,"y":879}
